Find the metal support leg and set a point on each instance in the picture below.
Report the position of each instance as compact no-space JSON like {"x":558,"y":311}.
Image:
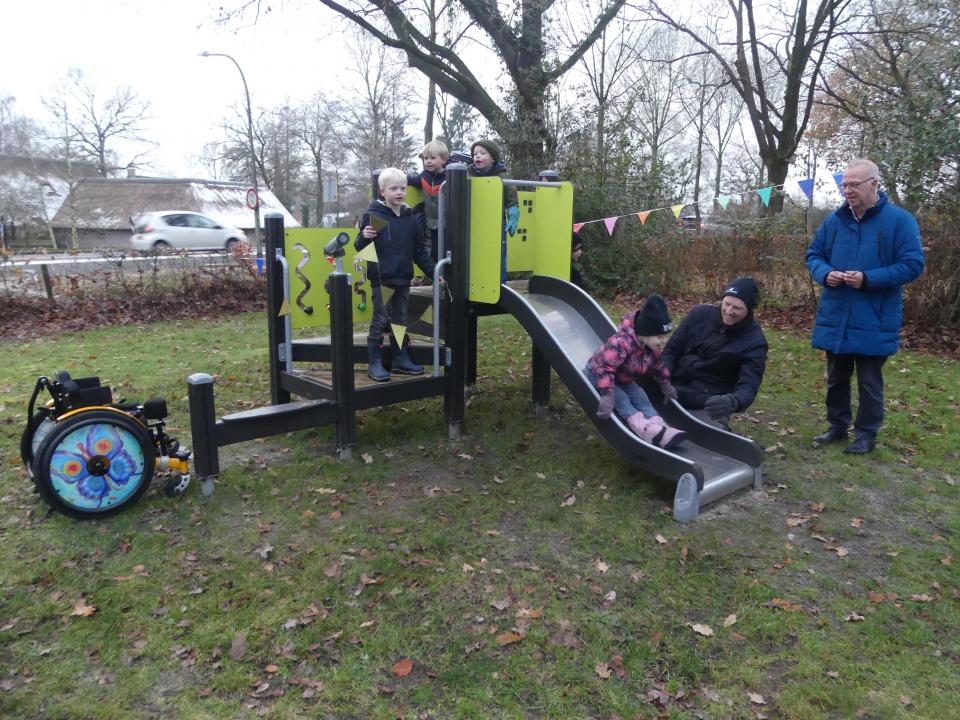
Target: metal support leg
{"x":686,"y":500}
{"x":203,"y":429}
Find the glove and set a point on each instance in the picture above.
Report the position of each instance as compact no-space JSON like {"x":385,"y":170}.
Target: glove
{"x":513,"y":219}
{"x":669,"y":392}
{"x":605,"y":408}
{"x":720,"y":406}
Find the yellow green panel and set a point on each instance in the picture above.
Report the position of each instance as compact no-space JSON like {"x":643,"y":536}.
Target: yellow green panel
{"x":553,"y":228}
{"x":520,"y":246}
{"x":486,"y":222}
{"x":414,"y":196}
{"x":308,"y":243}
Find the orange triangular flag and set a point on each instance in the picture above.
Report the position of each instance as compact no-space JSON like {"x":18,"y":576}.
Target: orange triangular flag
{"x":577,"y":226}
{"x":643,"y":215}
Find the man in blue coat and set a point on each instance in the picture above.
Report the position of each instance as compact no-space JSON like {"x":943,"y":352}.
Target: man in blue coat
{"x":863,"y":254}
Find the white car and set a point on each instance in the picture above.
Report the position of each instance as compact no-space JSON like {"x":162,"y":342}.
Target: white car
{"x":168,"y":230}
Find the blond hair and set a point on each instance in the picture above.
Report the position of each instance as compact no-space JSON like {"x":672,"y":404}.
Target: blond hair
{"x":391,"y":174}
{"x":436,"y":148}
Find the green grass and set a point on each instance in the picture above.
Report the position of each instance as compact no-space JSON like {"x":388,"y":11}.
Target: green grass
{"x":333,"y":572}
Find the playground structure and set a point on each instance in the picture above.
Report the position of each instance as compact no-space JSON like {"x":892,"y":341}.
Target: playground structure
{"x":566,"y":325}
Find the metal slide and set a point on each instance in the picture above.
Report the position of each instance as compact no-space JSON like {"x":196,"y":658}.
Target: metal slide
{"x":568,"y":326}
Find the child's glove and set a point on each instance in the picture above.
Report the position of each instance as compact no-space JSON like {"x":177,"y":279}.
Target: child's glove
{"x":605,"y":407}
{"x":669,"y":392}
{"x":720,"y":406}
{"x":513,"y":219}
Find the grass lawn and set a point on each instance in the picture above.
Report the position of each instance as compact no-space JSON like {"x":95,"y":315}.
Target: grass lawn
{"x":523,"y":572}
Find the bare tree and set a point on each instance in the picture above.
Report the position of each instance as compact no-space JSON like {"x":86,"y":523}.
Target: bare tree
{"x":95,"y":126}
{"x":521,"y":41}
{"x":792,"y":55}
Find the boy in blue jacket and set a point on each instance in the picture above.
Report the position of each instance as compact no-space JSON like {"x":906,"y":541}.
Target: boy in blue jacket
{"x":399,"y":243}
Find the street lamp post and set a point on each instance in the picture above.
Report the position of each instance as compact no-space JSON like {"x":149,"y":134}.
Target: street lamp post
{"x":253,"y":155}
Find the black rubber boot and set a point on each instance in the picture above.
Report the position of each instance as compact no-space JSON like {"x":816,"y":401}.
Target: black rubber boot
{"x":375,"y":370}
{"x":402,"y":363}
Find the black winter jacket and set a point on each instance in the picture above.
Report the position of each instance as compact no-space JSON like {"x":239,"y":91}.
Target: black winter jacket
{"x":399,"y":245}
{"x":706,"y":357}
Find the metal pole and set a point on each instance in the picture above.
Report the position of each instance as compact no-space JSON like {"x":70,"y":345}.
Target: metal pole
{"x":253,"y":154}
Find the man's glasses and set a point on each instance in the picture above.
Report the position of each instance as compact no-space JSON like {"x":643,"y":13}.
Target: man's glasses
{"x":854,"y":185}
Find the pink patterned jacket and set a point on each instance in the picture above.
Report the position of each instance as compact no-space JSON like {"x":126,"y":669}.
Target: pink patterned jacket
{"x":623,"y":358}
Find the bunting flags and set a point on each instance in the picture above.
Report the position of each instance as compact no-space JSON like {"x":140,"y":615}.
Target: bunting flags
{"x":806,"y":187}
{"x":368,"y":253}
{"x":399,"y":332}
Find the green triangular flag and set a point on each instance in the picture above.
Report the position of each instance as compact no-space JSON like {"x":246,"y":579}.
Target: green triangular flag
{"x":387,"y":294}
{"x":377,"y":222}
{"x":368,"y":253}
{"x":399,"y":332}
{"x":723,"y":201}
{"x":764,"y":194}
{"x":284,"y":308}
{"x":676,"y":210}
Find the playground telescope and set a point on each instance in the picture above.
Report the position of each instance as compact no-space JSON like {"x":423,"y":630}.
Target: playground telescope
{"x":334,"y":248}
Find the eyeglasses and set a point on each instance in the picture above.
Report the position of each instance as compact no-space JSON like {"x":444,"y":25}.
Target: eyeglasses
{"x":854,"y":185}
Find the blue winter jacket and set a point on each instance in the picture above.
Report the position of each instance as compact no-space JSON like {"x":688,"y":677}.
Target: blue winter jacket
{"x":885,"y":246}
{"x":399,"y":245}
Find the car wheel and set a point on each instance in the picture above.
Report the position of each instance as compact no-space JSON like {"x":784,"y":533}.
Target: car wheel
{"x":162,"y":247}
{"x":231,"y":245}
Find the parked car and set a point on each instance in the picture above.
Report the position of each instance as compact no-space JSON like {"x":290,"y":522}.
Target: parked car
{"x":168,"y":230}
{"x":703,"y":224}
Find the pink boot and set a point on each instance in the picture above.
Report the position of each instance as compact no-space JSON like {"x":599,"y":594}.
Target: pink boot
{"x":644,"y":428}
{"x":666,"y":436}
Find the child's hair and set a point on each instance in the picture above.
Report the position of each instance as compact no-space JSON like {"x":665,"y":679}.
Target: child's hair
{"x":391,"y":174}
{"x":436,"y":148}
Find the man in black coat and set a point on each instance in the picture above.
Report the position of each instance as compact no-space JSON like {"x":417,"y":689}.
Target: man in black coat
{"x":718,"y":354}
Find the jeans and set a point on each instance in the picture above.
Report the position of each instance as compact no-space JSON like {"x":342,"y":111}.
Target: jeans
{"x":628,"y":399}
{"x":870,"y":389}
{"x":395,"y":311}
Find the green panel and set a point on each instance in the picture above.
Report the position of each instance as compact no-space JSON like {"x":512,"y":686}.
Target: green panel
{"x":520,"y":246}
{"x":554,"y":227}
{"x":486,"y":223}
{"x":316,"y":269}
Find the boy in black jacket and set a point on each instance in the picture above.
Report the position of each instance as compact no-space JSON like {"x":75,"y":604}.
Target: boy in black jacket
{"x":399,"y":243}
{"x":434,"y":156}
{"x":718,"y":355}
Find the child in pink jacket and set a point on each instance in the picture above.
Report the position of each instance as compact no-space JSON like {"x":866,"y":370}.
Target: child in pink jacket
{"x":631,"y":352}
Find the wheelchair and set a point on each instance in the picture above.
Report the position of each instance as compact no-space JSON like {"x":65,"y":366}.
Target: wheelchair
{"x":91,"y":457}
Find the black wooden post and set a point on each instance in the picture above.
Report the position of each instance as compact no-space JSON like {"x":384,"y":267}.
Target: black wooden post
{"x":273,"y":224}
{"x":341,"y":353}
{"x":203,"y":430}
{"x":456,"y":236}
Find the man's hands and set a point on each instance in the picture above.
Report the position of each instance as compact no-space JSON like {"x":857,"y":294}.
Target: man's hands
{"x":853,"y":278}
{"x":605,"y":407}
{"x":720,"y":406}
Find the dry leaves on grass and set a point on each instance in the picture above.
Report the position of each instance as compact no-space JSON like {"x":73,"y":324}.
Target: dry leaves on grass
{"x":238,"y":648}
{"x":81,"y":609}
{"x":700,"y":629}
{"x":402,"y":668}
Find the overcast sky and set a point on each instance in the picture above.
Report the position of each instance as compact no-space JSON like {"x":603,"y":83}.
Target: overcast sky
{"x":153,"y":47}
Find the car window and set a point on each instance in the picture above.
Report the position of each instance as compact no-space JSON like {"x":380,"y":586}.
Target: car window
{"x":200,"y":221}
{"x":176,"y":220}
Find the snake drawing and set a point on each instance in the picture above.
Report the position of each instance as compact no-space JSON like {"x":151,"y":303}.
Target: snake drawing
{"x":308,"y":309}
{"x":361,"y":269}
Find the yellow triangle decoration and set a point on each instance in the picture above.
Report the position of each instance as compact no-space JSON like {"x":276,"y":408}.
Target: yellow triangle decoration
{"x":676,"y":210}
{"x":387,"y":294}
{"x":368,"y":253}
{"x":399,"y":332}
{"x":643,"y":216}
{"x":284,"y":308}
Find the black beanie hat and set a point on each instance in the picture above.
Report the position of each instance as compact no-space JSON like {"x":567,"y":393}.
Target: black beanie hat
{"x":745,"y":289}
{"x":490,"y":146}
{"x":652,"y":318}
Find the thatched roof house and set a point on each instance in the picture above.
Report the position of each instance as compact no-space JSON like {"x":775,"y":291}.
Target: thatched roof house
{"x":101,"y":208}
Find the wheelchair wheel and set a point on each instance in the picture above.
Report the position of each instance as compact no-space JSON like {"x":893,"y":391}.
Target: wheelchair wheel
{"x":29,"y":442}
{"x":94,"y":463}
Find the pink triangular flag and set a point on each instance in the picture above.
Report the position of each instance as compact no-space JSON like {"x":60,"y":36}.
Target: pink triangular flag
{"x":577,"y":226}
{"x":611,"y":222}
{"x":643,"y":215}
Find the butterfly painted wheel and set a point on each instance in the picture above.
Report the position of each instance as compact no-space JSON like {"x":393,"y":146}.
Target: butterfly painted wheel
{"x":94,"y":464}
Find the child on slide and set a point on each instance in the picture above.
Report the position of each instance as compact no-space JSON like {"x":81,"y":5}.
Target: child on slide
{"x":632,"y":352}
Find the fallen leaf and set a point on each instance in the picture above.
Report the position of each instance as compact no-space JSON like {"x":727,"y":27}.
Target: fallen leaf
{"x":923,"y":597}
{"x":833,"y":674}
{"x":272,"y":668}
{"x":502,"y":604}
{"x":660,"y":539}
{"x":238,"y":647}
{"x":729,"y":620}
{"x":603,"y":670}
{"x":756,"y":698}
{"x":367,"y":458}
{"x":541,"y":476}
{"x":854,"y":616}
{"x":704,"y":630}
{"x":601,"y":566}
{"x":333,"y":570}
{"x":402,"y":668}
{"x":841,"y":551}
{"x":783,"y":605}
{"x":508,"y":638}
{"x":81,"y":609}
{"x":568,"y":500}
{"x":856,"y":522}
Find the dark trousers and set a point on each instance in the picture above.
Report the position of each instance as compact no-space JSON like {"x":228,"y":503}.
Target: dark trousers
{"x":870,"y":389}
{"x":385,"y":314}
